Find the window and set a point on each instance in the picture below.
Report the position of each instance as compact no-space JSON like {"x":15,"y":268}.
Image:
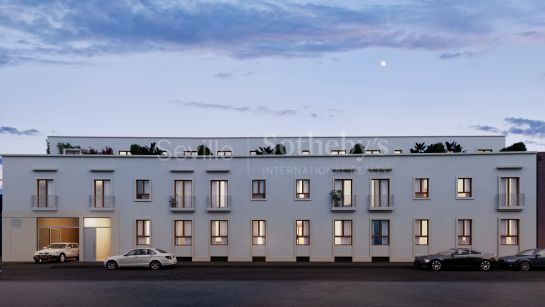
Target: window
{"x":421,"y":232}
{"x":373,"y":152}
{"x":337,"y":152}
{"x":398,"y":151}
{"x":124,"y":153}
{"x":302,"y":187}
{"x":143,"y":232}
{"x":102,"y":197}
{"x":219,"y":194}
{"x":224,"y":153}
{"x":143,"y":189}
{"x":218,"y":232}
{"x":343,"y":232}
{"x":190,"y":153}
{"x":259,"y":189}
{"x":509,"y":232}
{"x":183,"y":194}
{"x":45,"y":190}
{"x":464,"y":188}
{"x":305,"y":152}
{"x":302,"y":232}
{"x":484,"y":150}
{"x":259,"y":232}
{"x":421,"y":188}
{"x":380,"y":193}
{"x":183,"y":233}
{"x":464,"y":232}
{"x":342,"y":193}
{"x":509,"y":192}
{"x":380,"y":232}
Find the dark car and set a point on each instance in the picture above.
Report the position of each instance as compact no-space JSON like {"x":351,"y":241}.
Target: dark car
{"x":456,"y":257}
{"x":524,"y":261}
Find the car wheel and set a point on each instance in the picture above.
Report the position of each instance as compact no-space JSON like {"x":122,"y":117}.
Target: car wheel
{"x":485,"y":265}
{"x":524,"y":266}
{"x":62,"y":258}
{"x":111,"y":265}
{"x":436,"y":265}
{"x":155,"y":265}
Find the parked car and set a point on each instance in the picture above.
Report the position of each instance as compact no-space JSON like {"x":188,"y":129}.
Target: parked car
{"x":57,"y":252}
{"x":457,"y":257}
{"x":153,"y":258}
{"x":525,"y":260}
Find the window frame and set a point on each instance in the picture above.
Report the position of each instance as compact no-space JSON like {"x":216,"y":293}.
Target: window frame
{"x":380,"y":235}
{"x":143,"y":235}
{"x":103,"y":180}
{"x":420,"y":186}
{"x":305,"y":152}
{"x":224,"y":153}
{"x":508,"y":232}
{"x":261,"y":228}
{"x":419,"y":235}
{"x":136,"y":195}
{"x":124,"y":153}
{"x":461,"y":232}
{"x":304,"y":238}
{"x":225,"y":194}
{"x":182,"y":194}
{"x":306,"y":195}
{"x":254,"y":195}
{"x":343,"y":235}
{"x":338,"y":152}
{"x":47,"y":181}
{"x":212,"y":236}
{"x":184,"y":235}
{"x":464,"y":191}
{"x":372,"y":151}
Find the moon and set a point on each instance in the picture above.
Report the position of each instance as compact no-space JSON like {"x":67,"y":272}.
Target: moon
{"x":383,"y":63}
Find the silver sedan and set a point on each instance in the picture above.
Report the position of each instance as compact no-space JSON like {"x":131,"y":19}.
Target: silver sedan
{"x":153,"y":258}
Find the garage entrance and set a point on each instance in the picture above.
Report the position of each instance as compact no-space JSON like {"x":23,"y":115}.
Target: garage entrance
{"x":97,"y":239}
{"x":57,"y":230}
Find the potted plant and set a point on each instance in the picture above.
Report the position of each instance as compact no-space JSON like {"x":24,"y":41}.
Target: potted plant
{"x":203,"y":150}
{"x":357,"y":149}
{"x":279,"y":149}
{"x":172,"y":201}
{"x":336,"y":197}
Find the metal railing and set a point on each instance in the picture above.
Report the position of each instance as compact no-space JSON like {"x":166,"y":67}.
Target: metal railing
{"x":219,"y":202}
{"x":381,"y":202}
{"x":513,"y":201}
{"x":345,"y":201}
{"x":105,"y":202}
{"x":182,"y":202}
{"x":44,"y":202}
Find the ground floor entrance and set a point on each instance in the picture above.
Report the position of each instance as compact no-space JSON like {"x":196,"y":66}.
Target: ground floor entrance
{"x":97,"y":239}
{"x":57,"y":230}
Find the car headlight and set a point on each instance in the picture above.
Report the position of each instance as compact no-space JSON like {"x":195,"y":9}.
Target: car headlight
{"x":426,"y":260}
{"x":509,"y":260}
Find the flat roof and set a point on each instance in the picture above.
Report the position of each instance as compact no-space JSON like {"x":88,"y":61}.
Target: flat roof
{"x":260,"y":137}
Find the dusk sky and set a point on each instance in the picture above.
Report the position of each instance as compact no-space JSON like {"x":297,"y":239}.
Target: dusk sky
{"x":251,"y":68}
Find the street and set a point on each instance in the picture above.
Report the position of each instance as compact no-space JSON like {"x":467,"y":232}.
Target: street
{"x":74,"y":284}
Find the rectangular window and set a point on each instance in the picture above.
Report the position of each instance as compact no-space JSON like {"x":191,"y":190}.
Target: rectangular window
{"x":509,"y":192}
{"x":143,"y":232}
{"x":224,"y":153}
{"x":218,"y":232}
{"x":190,"y":153}
{"x":421,"y":232}
{"x":259,"y":189}
{"x":373,"y":152}
{"x":380,"y":193}
{"x":102,"y":197}
{"x":421,"y":188}
{"x":464,"y":188}
{"x":259,"y":232}
{"x":219,"y":194}
{"x":484,"y":150}
{"x":380,"y":232}
{"x":398,"y":151}
{"x":302,"y":189}
{"x":342,"y":193}
{"x":183,"y":194}
{"x":302,"y":232}
{"x":464,"y":232}
{"x":337,"y":152}
{"x":183,"y":233}
{"x":124,"y":153}
{"x":143,"y":189}
{"x":343,"y":232}
{"x":45,"y":191}
{"x":509,"y":232}
{"x":305,"y":152}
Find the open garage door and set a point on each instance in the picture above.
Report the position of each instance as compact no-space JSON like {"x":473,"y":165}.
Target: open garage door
{"x":57,"y":230}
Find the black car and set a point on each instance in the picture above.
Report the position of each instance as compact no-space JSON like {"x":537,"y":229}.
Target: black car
{"x":524,"y":261}
{"x":456,"y":257}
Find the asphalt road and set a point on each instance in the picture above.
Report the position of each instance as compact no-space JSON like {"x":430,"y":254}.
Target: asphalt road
{"x":265,"y":285}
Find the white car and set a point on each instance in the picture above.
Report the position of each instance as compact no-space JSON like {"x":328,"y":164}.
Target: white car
{"x":58,"y":252}
{"x":152,"y":258}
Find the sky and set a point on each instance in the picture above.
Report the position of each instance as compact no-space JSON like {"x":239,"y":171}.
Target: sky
{"x":285,"y":68}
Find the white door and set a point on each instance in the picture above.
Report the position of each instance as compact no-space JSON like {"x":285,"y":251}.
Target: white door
{"x":89,"y":244}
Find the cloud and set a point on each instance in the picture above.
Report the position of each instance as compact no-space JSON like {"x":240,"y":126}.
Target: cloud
{"x":223,"y":75}
{"x":15,"y":131}
{"x":224,"y":107}
{"x":49,"y":30}
{"x":526,"y":127}
{"x":449,"y":55}
{"x":486,"y":128}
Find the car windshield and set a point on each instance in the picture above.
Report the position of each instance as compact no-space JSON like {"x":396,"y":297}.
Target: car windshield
{"x":160,"y":250}
{"x":447,"y":252}
{"x":57,"y":246}
{"x":529,"y":252}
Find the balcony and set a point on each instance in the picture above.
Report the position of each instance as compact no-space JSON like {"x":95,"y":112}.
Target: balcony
{"x":44,"y":202}
{"x":104,"y":203}
{"x":219,"y":203}
{"x":346,"y":203}
{"x":384,"y":202}
{"x":511,"y":202}
{"x":182,"y":203}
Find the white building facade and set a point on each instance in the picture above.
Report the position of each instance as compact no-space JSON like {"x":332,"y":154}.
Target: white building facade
{"x":317,"y":202}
